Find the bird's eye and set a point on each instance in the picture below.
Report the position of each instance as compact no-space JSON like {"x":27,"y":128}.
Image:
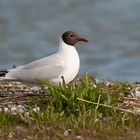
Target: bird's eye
{"x":71,"y":35}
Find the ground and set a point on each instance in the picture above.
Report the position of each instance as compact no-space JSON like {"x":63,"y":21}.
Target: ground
{"x":87,"y":108}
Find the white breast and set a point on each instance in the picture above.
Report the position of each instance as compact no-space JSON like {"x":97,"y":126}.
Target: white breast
{"x":71,"y":61}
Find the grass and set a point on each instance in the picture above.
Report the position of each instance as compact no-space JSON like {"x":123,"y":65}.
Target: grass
{"x":83,"y":109}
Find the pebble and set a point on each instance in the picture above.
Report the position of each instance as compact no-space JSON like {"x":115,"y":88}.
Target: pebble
{"x":13,"y":108}
{"x":67,"y":132}
{"x":20,"y":110}
{"x":99,"y":81}
{"x":26,"y":114}
{"x":135,"y":92}
{"x":109,"y":83}
{"x":6,"y":109}
{"x":79,"y":137}
{"x":36,"y":109}
{"x":10,"y":135}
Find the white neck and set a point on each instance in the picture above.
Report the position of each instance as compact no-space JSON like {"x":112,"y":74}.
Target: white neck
{"x":64,"y":47}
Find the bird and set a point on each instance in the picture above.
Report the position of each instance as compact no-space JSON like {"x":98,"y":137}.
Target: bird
{"x":64,"y":63}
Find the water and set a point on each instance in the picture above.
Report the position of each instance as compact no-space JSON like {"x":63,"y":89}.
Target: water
{"x":30,"y":30}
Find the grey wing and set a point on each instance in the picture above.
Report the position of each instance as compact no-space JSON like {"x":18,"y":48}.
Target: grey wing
{"x":47,"y":68}
{"x":49,"y":72}
{"x":50,"y":60}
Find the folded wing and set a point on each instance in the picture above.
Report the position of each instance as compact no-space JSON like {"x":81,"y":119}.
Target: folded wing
{"x":46,"y":68}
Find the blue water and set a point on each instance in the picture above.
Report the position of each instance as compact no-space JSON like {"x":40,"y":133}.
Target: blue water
{"x":30,"y":29}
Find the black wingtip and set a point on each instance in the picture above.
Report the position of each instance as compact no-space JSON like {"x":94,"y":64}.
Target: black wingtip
{"x":3,"y":72}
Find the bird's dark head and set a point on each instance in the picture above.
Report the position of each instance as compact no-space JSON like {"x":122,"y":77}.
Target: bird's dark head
{"x":71,"y":38}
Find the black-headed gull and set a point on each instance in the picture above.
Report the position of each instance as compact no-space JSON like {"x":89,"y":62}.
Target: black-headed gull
{"x":65,"y":62}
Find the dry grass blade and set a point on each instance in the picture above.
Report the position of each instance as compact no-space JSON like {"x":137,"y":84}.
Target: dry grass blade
{"x":109,"y":106}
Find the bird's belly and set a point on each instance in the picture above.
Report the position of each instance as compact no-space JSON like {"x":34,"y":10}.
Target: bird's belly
{"x":70,"y":73}
{"x":69,"y":76}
